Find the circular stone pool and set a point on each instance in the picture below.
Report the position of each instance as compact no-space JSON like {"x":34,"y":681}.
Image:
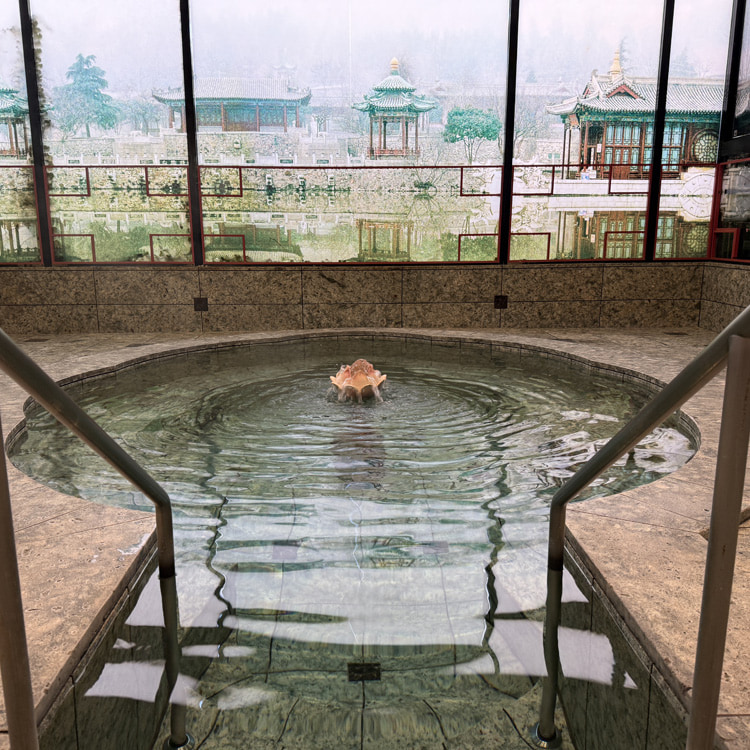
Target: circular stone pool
{"x":355,"y":574}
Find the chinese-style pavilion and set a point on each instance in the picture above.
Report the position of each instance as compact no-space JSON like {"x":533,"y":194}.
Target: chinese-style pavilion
{"x":231,"y":104}
{"x":13,"y":112}
{"x":393,"y":102}
{"x":615,"y":113}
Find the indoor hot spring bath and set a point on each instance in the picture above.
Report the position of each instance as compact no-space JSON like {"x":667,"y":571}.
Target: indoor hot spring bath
{"x":354,"y":575}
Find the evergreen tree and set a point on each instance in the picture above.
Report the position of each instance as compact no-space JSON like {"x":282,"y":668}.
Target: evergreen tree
{"x":82,"y":103}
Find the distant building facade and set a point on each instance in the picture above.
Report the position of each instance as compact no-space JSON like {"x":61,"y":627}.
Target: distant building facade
{"x":239,"y":104}
{"x":614,"y":118}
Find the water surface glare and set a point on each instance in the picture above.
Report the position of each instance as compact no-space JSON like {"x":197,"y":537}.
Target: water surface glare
{"x":315,"y":537}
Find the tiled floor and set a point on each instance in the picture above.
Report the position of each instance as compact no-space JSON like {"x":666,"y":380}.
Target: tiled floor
{"x":644,"y":546}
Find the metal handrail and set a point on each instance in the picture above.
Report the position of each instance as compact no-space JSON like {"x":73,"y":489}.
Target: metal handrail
{"x":21,"y":368}
{"x":688,"y":382}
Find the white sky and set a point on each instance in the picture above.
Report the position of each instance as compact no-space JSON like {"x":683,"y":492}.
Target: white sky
{"x":137,"y":42}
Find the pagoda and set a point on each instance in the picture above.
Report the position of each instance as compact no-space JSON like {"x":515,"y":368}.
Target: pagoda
{"x":393,"y":102}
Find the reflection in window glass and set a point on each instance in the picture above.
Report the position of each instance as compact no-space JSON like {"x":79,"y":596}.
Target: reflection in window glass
{"x":115,"y":194}
{"x":732,"y":236}
{"x":586,"y":96}
{"x":691,"y":131}
{"x":348,"y":133}
{"x":742,"y":107}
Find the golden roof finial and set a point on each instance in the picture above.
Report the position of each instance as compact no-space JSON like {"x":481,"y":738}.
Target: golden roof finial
{"x":616,"y":69}
{"x":394,"y":65}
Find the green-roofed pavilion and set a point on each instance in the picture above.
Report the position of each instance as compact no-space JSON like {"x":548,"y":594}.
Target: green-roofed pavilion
{"x":13,"y":113}
{"x":615,"y":114}
{"x":394,"y":102}
{"x":238,"y":104}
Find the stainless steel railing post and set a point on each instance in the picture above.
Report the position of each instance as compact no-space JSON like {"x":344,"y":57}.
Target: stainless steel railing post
{"x":21,"y":368}
{"x":731,"y":464}
{"x":14,"y":655}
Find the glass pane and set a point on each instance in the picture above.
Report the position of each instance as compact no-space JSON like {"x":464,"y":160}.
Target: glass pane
{"x":694,"y":101}
{"x":15,"y":136}
{"x":351,"y":133}
{"x":18,"y":219}
{"x":600,"y":134}
{"x":742,"y":108}
{"x":111,"y":196}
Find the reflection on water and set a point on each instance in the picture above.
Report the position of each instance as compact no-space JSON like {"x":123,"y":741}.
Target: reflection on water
{"x":313,"y":535}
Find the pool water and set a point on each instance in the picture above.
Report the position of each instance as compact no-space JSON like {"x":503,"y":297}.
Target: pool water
{"x":356,"y":575}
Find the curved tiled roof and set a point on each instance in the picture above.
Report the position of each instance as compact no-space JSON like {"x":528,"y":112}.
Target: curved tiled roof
{"x":395,"y":94}
{"x":605,"y":94}
{"x":394,"y":82}
{"x":239,"y":89}
{"x":11,"y":104}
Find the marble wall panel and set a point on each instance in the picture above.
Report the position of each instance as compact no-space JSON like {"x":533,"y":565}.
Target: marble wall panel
{"x":221,"y":318}
{"x":51,"y":318}
{"x":617,"y":713}
{"x":251,"y":286}
{"x":650,"y":313}
{"x":667,"y":719}
{"x":570,"y":314}
{"x":148,"y":318}
{"x":129,"y":286}
{"x":58,"y":730}
{"x":109,"y":722}
{"x":652,"y":281}
{"x":452,"y":284}
{"x":560,"y":282}
{"x":716,"y":315}
{"x":573,"y":692}
{"x":728,"y":284}
{"x":351,"y":285}
{"x":451,"y":315}
{"x":44,"y":286}
{"x":352,"y":315}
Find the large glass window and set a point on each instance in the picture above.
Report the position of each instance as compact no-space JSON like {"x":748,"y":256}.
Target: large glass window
{"x":585,"y":102}
{"x":347,"y":131}
{"x":115,"y":192}
{"x":19,"y":241}
{"x":691,"y":132}
{"x":342,"y":132}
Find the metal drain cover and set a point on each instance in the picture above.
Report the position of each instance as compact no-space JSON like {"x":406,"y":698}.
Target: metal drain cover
{"x":363,"y":671}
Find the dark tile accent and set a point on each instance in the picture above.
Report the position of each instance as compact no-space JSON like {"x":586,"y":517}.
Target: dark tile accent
{"x":363,"y":671}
